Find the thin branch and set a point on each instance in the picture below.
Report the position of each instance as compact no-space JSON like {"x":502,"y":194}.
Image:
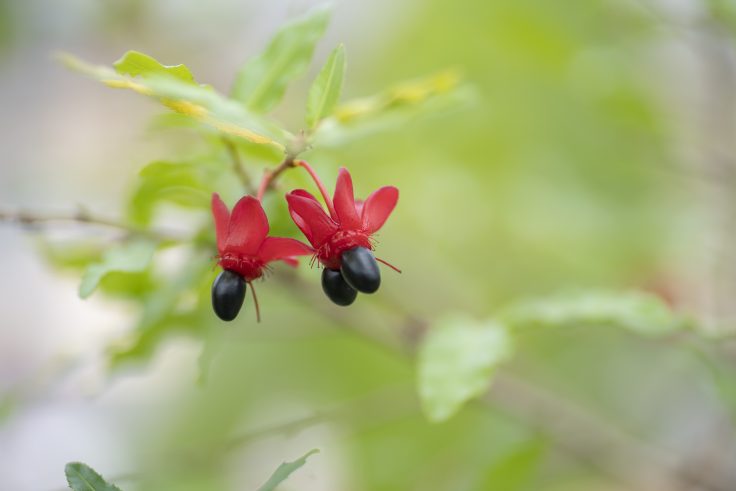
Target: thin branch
{"x":578,"y":432}
{"x":294,"y":149}
{"x":238,"y":166}
{"x":595,"y":442}
{"x":82,"y":216}
{"x":270,"y":177}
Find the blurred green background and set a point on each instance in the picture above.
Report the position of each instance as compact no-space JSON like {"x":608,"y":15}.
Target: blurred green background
{"x":596,"y":153}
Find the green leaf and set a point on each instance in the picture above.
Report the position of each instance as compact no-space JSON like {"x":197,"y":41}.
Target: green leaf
{"x":456,"y":361}
{"x":394,"y":108}
{"x":285,"y":470}
{"x":73,"y":256}
{"x":131,"y":257}
{"x":181,"y":183}
{"x":262,"y":81}
{"x":161,"y":314}
{"x":135,"y":64}
{"x":514,"y":471}
{"x":326,"y":88}
{"x":198,"y":102}
{"x":81,"y":477}
{"x":639,"y":312}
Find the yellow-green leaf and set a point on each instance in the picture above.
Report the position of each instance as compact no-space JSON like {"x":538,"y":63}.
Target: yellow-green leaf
{"x":393,"y":108}
{"x":284,"y":471}
{"x":199,"y":102}
{"x":181,"y":183}
{"x":640,"y":312}
{"x":131,"y":257}
{"x":406,"y":94}
{"x":135,"y":64}
{"x":262,"y":81}
{"x":456,"y":361}
{"x":326,"y":89}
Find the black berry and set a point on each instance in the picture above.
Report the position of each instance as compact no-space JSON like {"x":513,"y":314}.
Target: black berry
{"x":360,"y":270}
{"x":336,"y":288}
{"x":228,"y":293}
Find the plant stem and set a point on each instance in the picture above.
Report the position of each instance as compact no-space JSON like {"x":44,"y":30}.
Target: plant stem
{"x":238,"y":166}
{"x":84,"y":217}
{"x":269,"y":179}
{"x":325,"y":195}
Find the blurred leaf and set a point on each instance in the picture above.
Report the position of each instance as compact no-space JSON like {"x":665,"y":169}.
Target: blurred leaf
{"x":131,"y":257}
{"x":640,"y":312}
{"x":723,"y":376}
{"x":8,"y":405}
{"x":284,"y":471}
{"x":456,"y":361}
{"x":135,"y":64}
{"x":81,"y":477}
{"x":407,"y":94}
{"x":74,"y":256}
{"x":127,"y":285}
{"x":514,"y":471}
{"x":326,"y":88}
{"x":160,"y":316}
{"x":196,"y":101}
{"x":262,"y":81}
{"x":394,"y":108}
{"x":179,"y":183}
{"x":724,"y":12}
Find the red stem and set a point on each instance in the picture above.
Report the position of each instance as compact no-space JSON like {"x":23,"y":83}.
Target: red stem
{"x":318,"y":182}
{"x":265,"y":183}
{"x":388,"y":264}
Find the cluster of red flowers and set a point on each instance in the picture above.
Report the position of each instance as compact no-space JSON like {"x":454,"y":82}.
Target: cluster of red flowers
{"x":341,"y":240}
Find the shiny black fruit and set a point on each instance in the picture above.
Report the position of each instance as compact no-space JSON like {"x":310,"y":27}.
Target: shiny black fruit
{"x":336,"y":288}
{"x":228,"y":293}
{"x":360,"y":270}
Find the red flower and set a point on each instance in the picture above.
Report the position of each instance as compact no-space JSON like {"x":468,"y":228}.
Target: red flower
{"x":242,"y":241}
{"x":350,"y":223}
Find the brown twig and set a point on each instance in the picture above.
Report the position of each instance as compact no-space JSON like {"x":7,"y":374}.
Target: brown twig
{"x":269,"y":179}
{"x":578,"y":432}
{"x":238,"y":167}
{"x":82,"y":216}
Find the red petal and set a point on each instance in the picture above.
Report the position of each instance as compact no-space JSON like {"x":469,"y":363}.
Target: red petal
{"x":310,"y":217}
{"x":378,"y":207}
{"x":222,"y":218}
{"x":291,"y":261}
{"x":248,"y":226}
{"x":274,"y":248}
{"x":298,"y":220}
{"x":344,"y":201}
{"x":304,"y":194}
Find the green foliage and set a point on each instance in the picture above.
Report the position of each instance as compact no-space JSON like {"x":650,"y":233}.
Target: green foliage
{"x":198,"y":102}
{"x":638,"y":312}
{"x":456,"y":362}
{"x":81,"y":477}
{"x":134,"y":64}
{"x":74,"y":256}
{"x":514,"y":471}
{"x":262,"y":81}
{"x":131,"y":257}
{"x":285,"y":470}
{"x":163,"y":315}
{"x":491,"y":156}
{"x":393,"y":108}
{"x":184,"y":184}
{"x":326,"y":88}
{"x":126,"y":270}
